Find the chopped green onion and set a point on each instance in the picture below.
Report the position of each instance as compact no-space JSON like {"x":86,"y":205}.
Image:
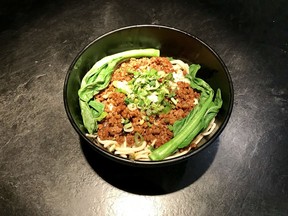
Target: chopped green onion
{"x":128,"y":127}
{"x":132,"y":106}
{"x":174,"y":100}
{"x":138,"y":139}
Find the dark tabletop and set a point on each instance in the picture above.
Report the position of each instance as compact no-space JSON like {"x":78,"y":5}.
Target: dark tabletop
{"x":45,"y":169}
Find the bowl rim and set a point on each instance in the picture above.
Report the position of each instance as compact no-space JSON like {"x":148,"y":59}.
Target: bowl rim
{"x":165,"y":162}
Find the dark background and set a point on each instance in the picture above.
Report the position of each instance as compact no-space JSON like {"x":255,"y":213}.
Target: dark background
{"x":45,"y":169}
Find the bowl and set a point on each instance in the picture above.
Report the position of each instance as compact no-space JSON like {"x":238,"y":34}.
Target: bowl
{"x":171,"y":42}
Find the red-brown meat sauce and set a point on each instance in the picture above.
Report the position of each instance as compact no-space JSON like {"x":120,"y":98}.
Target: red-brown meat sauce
{"x":156,"y":127}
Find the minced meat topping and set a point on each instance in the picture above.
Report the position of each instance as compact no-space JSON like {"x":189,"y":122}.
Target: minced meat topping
{"x":150,"y":127}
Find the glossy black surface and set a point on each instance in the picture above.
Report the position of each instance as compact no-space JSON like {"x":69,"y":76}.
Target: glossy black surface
{"x":45,"y":169}
{"x":172,"y":43}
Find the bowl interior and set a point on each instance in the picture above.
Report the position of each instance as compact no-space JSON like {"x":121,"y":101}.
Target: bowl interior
{"x":172,"y":43}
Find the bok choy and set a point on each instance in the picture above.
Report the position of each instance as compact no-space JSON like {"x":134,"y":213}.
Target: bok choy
{"x":186,"y":129}
{"x":97,"y":79}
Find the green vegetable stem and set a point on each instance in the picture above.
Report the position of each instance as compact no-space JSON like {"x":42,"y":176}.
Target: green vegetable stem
{"x":98,"y":78}
{"x":186,"y":129}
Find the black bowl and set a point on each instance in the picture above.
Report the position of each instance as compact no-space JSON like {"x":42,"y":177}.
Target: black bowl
{"x":172,"y":43}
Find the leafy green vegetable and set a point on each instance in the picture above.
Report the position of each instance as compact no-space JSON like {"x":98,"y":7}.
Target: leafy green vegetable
{"x":207,"y":118}
{"x":186,"y":129}
{"x":98,"y":78}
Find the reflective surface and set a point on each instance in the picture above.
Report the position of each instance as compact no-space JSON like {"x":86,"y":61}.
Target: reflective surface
{"x":45,"y":169}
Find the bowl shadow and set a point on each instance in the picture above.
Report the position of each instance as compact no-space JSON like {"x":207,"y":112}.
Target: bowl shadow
{"x":153,"y":180}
